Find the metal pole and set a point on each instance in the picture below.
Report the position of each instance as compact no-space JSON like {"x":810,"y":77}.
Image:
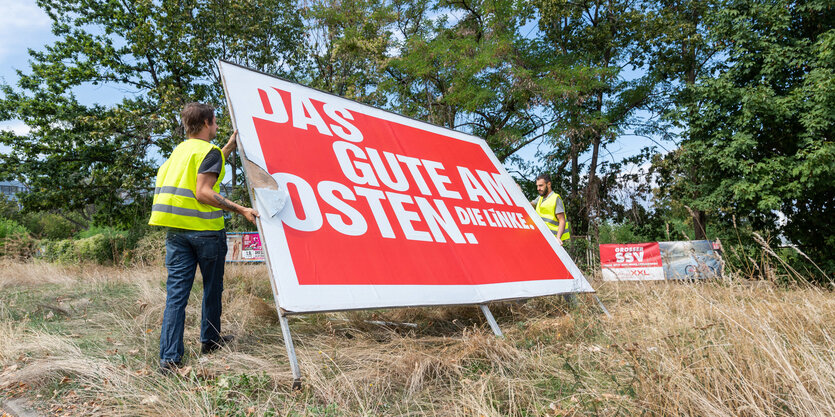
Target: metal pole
{"x":602,"y":307}
{"x":490,"y":320}
{"x":291,"y":352}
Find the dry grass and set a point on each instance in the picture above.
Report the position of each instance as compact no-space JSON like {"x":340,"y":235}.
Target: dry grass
{"x":719,"y":348}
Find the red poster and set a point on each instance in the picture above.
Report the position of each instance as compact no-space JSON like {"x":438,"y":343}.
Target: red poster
{"x":631,"y":261}
{"x":494,"y":240}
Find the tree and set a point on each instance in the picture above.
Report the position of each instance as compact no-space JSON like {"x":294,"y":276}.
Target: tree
{"x":347,"y":46}
{"x":762,"y":143}
{"x":682,"y":52}
{"x":601,"y":39}
{"x":100,"y":160}
{"x":467,"y":65}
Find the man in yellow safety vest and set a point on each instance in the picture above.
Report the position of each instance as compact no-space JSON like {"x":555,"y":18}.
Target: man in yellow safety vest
{"x":188,"y":203}
{"x":550,"y":208}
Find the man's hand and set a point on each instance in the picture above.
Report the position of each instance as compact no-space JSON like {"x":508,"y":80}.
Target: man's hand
{"x":250,"y":214}
{"x":231,"y":145}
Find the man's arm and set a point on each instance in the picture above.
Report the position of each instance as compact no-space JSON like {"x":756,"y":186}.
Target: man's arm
{"x":559,"y":213}
{"x":230,"y":146}
{"x":561,"y":228}
{"x":206,"y":195}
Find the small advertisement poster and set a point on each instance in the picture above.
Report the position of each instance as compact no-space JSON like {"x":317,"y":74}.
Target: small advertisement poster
{"x":251,"y":247}
{"x":631,"y":262}
{"x":696,"y":259}
{"x":244,"y":247}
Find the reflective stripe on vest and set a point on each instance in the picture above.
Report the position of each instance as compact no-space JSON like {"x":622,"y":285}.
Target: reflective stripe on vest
{"x":546,"y":210}
{"x":175,"y":201}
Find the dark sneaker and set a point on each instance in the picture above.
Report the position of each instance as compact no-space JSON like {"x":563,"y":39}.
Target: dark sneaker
{"x":209,"y":347}
{"x":169,"y":367}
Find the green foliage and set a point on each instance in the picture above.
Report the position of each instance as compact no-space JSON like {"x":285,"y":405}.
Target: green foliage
{"x":101,"y":248}
{"x":10,"y":228}
{"x":762,"y":143}
{"x":9,"y":208}
{"x":348,"y":42}
{"x":600,"y":41}
{"x":15,"y":241}
{"x":149,"y":248}
{"x":620,"y":233}
{"x":46,"y":225}
{"x":62,"y":251}
{"x":746,"y":86}
{"x":102,"y":245}
{"x":101,"y":230}
{"x":42,"y":224}
{"x":100,"y":161}
{"x":480,"y":73}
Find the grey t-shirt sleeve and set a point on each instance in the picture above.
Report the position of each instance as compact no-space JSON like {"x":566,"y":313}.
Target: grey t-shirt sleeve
{"x":212,"y":163}
{"x":560,"y":208}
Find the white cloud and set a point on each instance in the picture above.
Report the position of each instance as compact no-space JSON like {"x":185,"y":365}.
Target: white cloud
{"x":22,"y":14}
{"x":16,"y":126}
{"x":21,"y":23}
{"x":19,"y":128}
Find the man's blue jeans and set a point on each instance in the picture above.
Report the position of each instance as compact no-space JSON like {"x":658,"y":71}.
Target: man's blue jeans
{"x":184,"y":251}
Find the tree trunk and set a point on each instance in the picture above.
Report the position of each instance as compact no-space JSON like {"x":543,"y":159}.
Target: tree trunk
{"x":575,"y":168}
{"x":591,"y":194}
{"x":699,"y":222}
{"x":699,"y":216}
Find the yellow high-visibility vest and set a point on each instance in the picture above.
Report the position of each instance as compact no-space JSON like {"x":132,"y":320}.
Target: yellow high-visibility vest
{"x":175,"y":195}
{"x":546,"y":209}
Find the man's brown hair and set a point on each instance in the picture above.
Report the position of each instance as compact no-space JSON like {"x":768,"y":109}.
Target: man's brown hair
{"x":196,"y":115}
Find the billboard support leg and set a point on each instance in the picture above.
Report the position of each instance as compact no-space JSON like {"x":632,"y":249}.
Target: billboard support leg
{"x":600,"y":304}
{"x":492,"y":321}
{"x":291,"y":352}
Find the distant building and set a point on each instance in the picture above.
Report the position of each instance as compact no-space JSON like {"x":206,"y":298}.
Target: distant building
{"x":9,"y":189}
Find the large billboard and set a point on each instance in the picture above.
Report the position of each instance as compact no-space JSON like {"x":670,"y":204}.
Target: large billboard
{"x":363,"y":208}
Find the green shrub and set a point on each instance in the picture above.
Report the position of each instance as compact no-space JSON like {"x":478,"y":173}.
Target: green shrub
{"x":9,"y":228}
{"x":150,"y":248}
{"x":100,"y":230}
{"x":62,"y":251}
{"x":620,"y":233}
{"x":15,"y":241}
{"x":47,"y":225}
{"x":99,"y":244}
{"x":94,"y":248}
{"x":102,"y":246}
{"x":9,"y":208}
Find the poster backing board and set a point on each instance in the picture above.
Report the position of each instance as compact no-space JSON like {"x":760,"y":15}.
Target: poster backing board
{"x":370,"y":209}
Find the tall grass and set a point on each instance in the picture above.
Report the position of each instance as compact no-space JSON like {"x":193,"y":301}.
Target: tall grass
{"x":732,"y":348}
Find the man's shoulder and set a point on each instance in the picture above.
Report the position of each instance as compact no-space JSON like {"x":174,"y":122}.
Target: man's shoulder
{"x":212,"y":162}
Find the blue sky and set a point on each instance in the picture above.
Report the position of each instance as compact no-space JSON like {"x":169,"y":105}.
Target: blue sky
{"x":22,"y":26}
